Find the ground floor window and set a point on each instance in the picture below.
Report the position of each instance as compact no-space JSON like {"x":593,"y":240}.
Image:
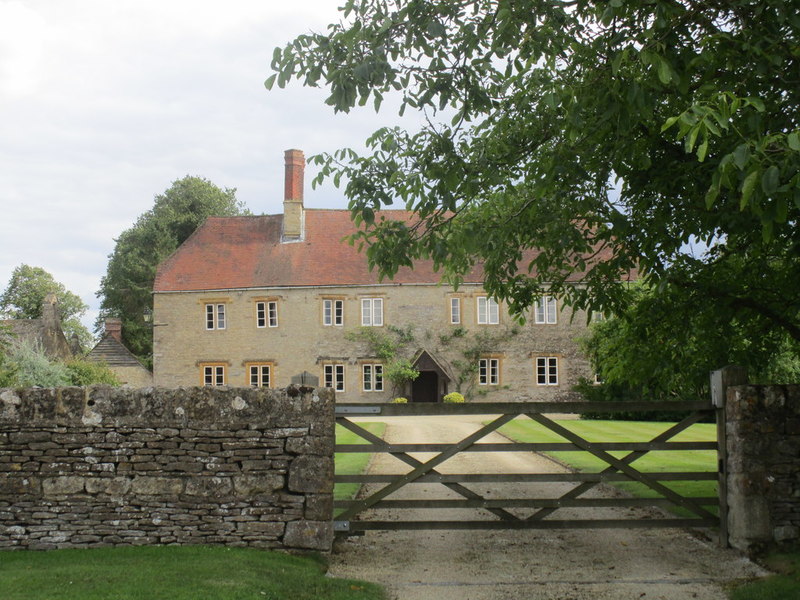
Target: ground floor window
{"x":333,"y":376}
{"x":489,"y":371}
{"x":546,"y":370}
{"x":259,"y":374}
{"x":212,"y":375}
{"x":372,"y":378}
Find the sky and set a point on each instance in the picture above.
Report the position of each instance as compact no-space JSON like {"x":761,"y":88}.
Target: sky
{"x":103,"y":104}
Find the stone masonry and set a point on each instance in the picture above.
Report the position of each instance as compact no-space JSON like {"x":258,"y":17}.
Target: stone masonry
{"x":101,"y":466}
{"x":763,"y":441}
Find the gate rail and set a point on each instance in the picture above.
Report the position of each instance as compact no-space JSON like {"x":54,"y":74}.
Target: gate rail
{"x":616,"y":469}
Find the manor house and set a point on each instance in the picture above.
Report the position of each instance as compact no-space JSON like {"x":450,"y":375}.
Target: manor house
{"x":267,"y":300}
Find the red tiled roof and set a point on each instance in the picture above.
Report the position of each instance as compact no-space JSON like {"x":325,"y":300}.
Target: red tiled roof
{"x":246,"y":252}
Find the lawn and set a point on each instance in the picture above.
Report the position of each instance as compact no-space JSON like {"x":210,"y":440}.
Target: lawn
{"x":172,"y":573}
{"x":785,"y":585}
{"x":352,"y":463}
{"x":525,"y":430}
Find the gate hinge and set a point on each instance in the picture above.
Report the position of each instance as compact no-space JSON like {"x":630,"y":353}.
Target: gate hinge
{"x":341,"y":526}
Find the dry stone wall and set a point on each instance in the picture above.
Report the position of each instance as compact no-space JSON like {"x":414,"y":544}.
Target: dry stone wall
{"x":763,"y":442}
{"x":101,"y":466}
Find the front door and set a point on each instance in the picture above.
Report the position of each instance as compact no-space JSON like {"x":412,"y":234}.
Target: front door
{"x":425,"y":387}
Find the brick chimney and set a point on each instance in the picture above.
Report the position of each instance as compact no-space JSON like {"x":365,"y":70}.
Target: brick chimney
{"x":114,"y":327}
{"x":293,"y":196}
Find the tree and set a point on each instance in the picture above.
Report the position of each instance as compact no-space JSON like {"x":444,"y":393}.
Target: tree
{"x":26,"y":291}
{"x":634,"y":131}
{"x":660,"y":349}
{"x":126,"y":288}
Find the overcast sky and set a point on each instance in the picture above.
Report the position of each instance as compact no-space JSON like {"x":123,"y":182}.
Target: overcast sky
{"x":103,"y":104}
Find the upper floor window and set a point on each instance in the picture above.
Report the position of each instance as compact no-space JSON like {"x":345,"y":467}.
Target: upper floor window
{"x":546,"y":370}
{"x":489,"y":371}
{"x":215,"y":316}
{"x":372,"y":377}
{"x":212,"y":375}
{"x":455,"y":311}
{"x":545,"y":310}
{"x":332,"y":312}
{"x":266,"y":313}
{"x":259,"y":374}
{"x":333,"y":376}
{"x":488,"y":311}
{"x":372,"y":312}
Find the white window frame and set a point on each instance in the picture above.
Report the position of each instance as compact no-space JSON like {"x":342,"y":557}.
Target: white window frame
{"x":261,"y":314}
{"x":272,"y":313}
{"x":333,"y":376}
{"x":547,"y":370}
{"x":256,"y":375}
{"x":372,"y":312}
{"x":488,"y":311}
{"x":214,"y":375}
{"x":372,"y":377}
{"x":332,"y":312}
{"x":455,"y":311}
{"x":546,"y":311}
{"x":489,"y":371}
{"x":215,"y":316}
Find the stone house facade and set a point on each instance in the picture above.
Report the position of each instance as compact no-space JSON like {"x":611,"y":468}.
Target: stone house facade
{"x":260,"y":300}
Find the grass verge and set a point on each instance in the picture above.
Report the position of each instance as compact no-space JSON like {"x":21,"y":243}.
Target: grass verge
{"x":172,"y":573}
{"x":524,"y":430}
{"x":785,"y":585}
{"x":352,"y":463}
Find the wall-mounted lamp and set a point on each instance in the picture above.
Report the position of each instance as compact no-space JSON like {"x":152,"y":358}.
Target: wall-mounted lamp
{"x":148,"y":318}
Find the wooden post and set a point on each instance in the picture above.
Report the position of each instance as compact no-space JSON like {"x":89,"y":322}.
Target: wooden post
{"x":721,"y":380}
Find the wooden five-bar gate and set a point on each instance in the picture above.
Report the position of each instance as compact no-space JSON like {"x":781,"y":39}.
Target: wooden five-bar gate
{"x":542,"y":513}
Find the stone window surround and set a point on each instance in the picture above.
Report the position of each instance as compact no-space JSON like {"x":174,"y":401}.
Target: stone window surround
{"x":545,"y":311}
{"x":332,"y":311}
{"x":334,"y":372}
{"x":372,"y":377}
{"x":214,"y":369}
{"x":372,"y":317}
{"x":266,"y":311}
{"x":219,"y":309}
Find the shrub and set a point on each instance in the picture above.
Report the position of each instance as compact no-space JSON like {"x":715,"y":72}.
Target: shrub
{"x":400,"y":401}
{"x":84,"y":372}
{"x":453,"y":398}
{"x":33,"y":368}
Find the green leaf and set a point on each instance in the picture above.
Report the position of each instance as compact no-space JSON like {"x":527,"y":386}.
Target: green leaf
{"x":702,"y":151}
{"x":270,"y":81}
{"x":770,"y":180}
{"x":747,"y":188}
{"x":669,"y":123}
{"x":756,"y":103}
{"x":711,"y":196}
{"x":741,"y":156}
{"x":793,"y":139}
{"x":664,"y":70}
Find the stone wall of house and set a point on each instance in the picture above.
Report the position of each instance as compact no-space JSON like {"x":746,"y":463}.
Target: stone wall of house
{"x":301,"y":342}
{"x":100,"y":466}
{"x":763,"y":444}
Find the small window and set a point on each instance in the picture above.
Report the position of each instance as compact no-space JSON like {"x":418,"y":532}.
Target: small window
{"x":547,"y":370}
{"x":372,"y":378}
{"x":333,"y":376}
{"x":488,"y":311}
{"x":455,"y":311}
{"x":213,"y":375}
{"x":266,"y":314}
{"x":215,"y":316}
{"x":545,"y":310}
{"x":489,"y":371}
{"x":260,"y":374}
{"x":332,"y":312}
{"x":372,"y":312}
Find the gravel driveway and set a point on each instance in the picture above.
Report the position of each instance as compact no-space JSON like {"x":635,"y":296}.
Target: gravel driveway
{"x":587,"y":564}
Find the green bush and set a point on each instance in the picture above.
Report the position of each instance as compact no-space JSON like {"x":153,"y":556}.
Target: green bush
{"x":84,"y":372}
{"x":453,"y":398}
{"x":33,"y":368}
{"x":400,"y":401}
{"x":617,"y":392}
